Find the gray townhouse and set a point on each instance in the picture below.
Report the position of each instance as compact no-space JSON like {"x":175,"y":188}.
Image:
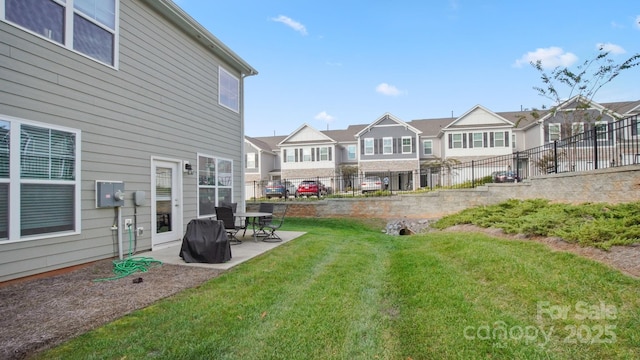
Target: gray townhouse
{"x":390,"y":145}
{"x":113,"y":112}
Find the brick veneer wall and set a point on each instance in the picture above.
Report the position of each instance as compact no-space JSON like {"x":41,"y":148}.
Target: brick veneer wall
{"x":613,"y":185}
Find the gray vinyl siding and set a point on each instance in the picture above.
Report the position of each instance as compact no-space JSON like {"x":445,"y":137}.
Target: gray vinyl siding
{"x":161,"y":101}
{"x":396,"y":132}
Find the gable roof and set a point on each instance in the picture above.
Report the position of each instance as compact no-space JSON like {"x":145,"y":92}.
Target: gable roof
{"x":431,"y":127}
{"x":306,"y":134}
{"x":469,"y":120}
{"x":271,"y":142}
{"x":387,"y":117}
{"x":186,"y":23}
{"x":625,"y":108}
{"x":259,"y":144}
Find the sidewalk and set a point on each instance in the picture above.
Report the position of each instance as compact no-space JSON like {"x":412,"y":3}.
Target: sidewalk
{"x":239,"y":253}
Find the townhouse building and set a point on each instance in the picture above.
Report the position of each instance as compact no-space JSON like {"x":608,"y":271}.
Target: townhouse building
{"x":391,"y":145}
{"x":111,"y":111}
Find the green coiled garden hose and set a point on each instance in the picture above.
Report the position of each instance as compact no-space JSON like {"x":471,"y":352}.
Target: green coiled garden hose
{"x":130,"y":264}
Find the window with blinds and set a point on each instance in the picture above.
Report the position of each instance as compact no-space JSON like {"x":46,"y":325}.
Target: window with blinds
{"x":46,"y":178}
{"x":48,"y":156}
{"x":5,"y":126}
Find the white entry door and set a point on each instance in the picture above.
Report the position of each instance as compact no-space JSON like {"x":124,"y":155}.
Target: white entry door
{"x":166,"y":202}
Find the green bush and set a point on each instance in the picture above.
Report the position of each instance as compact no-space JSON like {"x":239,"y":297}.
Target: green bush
{"x":590,"y":224}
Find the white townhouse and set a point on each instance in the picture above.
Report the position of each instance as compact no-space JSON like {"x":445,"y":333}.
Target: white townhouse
{"x":389,"y":144}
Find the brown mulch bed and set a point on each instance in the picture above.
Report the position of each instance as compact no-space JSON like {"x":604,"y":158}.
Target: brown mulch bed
{"x":37,"y":314}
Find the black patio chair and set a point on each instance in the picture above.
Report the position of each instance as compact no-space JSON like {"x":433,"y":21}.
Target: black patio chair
{"x":234,"y":206}
{"x":265,"y":208}
{"x":225,"y":214}
{"x":272,"y":226}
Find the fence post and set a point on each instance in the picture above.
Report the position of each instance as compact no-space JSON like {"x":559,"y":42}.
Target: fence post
{"x":255,"y":195}
{"x":518,"y":164}
{"x":595,"y":147}
{"x":555,"y":156}
{"x":286,"y":189}
{"x":473,"y":178}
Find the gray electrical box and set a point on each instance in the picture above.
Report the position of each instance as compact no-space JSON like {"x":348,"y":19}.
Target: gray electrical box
{"x":109,"y":194}
{"x":139,"y":198}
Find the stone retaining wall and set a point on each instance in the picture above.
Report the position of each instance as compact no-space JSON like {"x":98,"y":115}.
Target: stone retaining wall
{"x":613,"y":185}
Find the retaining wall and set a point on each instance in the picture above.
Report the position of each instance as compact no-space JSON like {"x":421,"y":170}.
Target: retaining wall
{"x":612,"y":185}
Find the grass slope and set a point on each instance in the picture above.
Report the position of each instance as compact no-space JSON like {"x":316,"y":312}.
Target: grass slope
{"x":347,"y":291}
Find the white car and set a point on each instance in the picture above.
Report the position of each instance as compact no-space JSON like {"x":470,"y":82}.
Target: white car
{"x":371,"y":183}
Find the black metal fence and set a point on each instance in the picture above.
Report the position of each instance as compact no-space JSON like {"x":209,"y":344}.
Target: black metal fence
{"x":604,"y":145}
{"x":373,"y":183}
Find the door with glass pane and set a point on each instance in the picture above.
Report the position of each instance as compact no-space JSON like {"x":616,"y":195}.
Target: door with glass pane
{"x":166,"y":202}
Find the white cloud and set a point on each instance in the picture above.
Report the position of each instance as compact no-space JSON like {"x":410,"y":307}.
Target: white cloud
{"x":610,"y":48}
{"x":291,"y":23}
{"x":389,"y":90}
{"x":637,"y":23}
{"x":616,"y":25}
{"x":323,"y":116}
{"x":550,"y":57}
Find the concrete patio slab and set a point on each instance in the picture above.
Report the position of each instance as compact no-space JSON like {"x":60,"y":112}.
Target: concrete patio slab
{"x":240,"y":253}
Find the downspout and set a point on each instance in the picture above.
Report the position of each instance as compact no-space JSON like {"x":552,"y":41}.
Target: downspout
{"x":243,"y":188}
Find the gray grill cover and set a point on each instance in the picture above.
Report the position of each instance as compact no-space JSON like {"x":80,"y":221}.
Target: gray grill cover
{"x":205,"y":241}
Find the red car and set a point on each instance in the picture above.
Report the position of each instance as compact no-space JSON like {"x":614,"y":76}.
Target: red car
{"x":311,"y":188}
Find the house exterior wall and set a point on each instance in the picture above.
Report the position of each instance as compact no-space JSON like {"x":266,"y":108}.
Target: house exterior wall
{"x":485,"y":150}
{"x":395,"y":132}
{"x":251,"y":153}
{"x":161,"y":101}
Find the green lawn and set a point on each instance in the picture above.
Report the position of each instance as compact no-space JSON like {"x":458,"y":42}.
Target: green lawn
{"x":347,"y":291}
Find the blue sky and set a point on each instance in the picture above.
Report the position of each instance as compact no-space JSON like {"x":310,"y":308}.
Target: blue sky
{"x":331,"y":63}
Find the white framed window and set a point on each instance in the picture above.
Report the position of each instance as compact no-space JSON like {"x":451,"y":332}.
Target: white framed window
{"x":251,"y":160}
{"x":554,"y":132}
{"x":513,"y":141}
{"x":387,"y":145}
{"x":215,"y":183}
{"x":228,"y":90}
{"x":456,"y":141}
{"x":368,"y":146}
{"x":324,"y":154}
{"x":89,"y":27}
{"x":43,"y":191}
{"x":498,"y":139}
{"x":290,"y":155}
{"x":306,"y":154}
{"x":351,"y":152}
{"x":407,"y":142}
{"x":601,"y":130}
{"x":577,"y":128}
{"x":427,"y":147}
{"x":478,"y":140}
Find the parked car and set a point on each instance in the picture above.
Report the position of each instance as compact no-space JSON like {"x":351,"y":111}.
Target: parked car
{"x":311,"y":188}
{"x":278,"y":188}
{"x":505,"y":176}
{"x":371,"y":183}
